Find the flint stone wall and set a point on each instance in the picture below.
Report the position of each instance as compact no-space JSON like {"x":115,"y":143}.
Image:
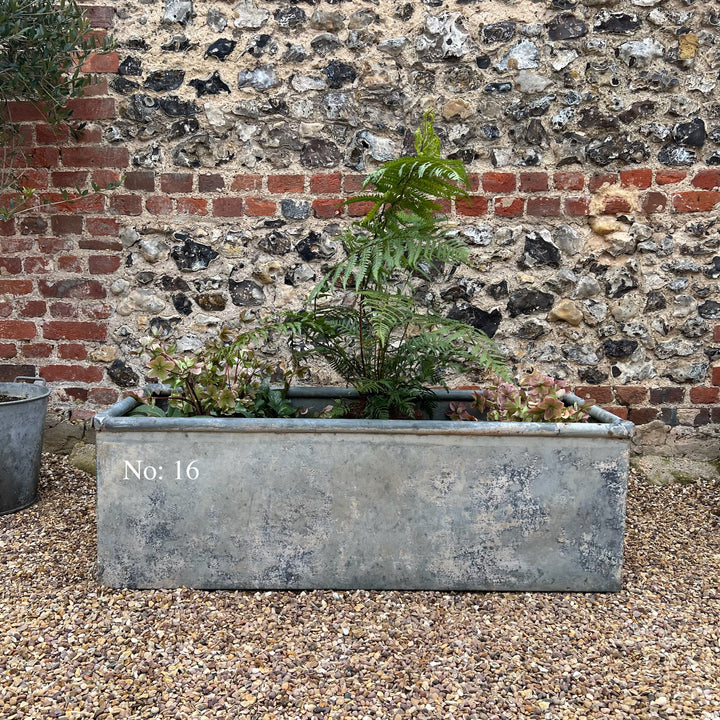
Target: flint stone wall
{"x":591,"y":131}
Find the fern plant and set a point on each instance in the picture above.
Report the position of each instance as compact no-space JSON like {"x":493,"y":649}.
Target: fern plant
{"x":379,"y":338}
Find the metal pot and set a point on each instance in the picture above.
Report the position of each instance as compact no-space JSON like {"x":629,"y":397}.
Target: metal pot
{"x":22,"y":423}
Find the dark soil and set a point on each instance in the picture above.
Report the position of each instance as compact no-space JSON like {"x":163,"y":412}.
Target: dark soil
{"x":8,"y":398}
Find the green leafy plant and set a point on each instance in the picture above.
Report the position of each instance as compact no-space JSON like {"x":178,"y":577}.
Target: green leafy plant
{"x":534,"y":398}
{"x":43,"y":45}
{"x":225,"y":378}
{"x":378,"y":337}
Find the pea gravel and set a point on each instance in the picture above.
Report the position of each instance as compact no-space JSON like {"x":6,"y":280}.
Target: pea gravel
{"x":71,"y":649}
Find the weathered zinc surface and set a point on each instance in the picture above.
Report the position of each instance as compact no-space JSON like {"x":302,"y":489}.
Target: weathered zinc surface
{"x":350,"y":504}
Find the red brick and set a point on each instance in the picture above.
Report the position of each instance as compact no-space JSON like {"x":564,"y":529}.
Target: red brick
{"x":103,"y":264}
{"x":44,"y":157}
{"x":74,"y":203}
{"x":26,"y":135}
{"x":618,"y":410}
{"x":32,"y":225}
{"x":329,"y":208}
{"x":210,"y":183}
{"x":33,"y":308}
{"x":72,"y":351}
{"x":227,"y":207}
{"x":81,"y":415}
{"x":106,"y":179}
{"x":286,"y":183}
{"x":667,"y":395}
{"x":16,"y":245}
{"x":101,"y":63}
{"x":641,"y":416}
{"x":17,"y":330}
{"x":359,"y":209}
{"x":103,"y":396}
{"x":64,"y":310}
{"x":696,"y":201}
{"x":325,"y":183}
{"x":100,"y":244}
{"x":97,"y":311}
{"x":569,"y":180}
{"x":35,"y":178}
{"x":6,"y":309}
{"x":706,"y":395}
{"x":71,"y":373}
{"x":473,"y":182}
{"x":7,"y":227}
{"x":159,"y":205}
{"x":669,"y":177}
{"x":73,"y":288}
{"x":716,"y":333}
{"x":92,"y":108}
{"x":472,"y":206}
{"x":707,"y":179}
{"x":126,"y":204}
{"x":631,"y":394}
{"x":7,"y":351}
{"x":543,"y":206}
{"x":69,"y":178}
{"x":22,"y":110}
{"x":654,"y":202}
{"x":498,"y":182}
{"x":577,"y":206}
{"x":100,"y":16}
{"x":600,"y":179}
{"x":10,"y":265}
{"x":37,"y":265}
{"x":176,"y":182}
{"x":596,"y":393}
{"x":534,"y":181}
{"x":93,"y":156}
{"x":37,"y":350}
{"x":63,"y":330}
{"x":637,"y":177}
{"x":353,"y":184}
{"x":716,"y":375}
{"x":15,"y":287}
{"x":246,"y":182}
{"x":70,"y":263}
{"x":53,"y":246}
{"x":509,"y":206}
{"x":9,"y":372}
{"x":192,"y":206}
{"x":140,"y":180}
{"x":615,"y":205}
{"x":102,"y":226}
{"x":75,"y":393}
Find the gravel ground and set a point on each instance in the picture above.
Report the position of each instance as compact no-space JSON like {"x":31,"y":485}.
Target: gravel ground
{"x":71,"y":649}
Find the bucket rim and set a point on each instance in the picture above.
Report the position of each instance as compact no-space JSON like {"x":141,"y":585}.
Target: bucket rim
{"x":26,"y":391}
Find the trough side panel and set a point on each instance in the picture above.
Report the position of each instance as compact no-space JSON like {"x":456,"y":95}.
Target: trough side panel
{"x":272,"y":511}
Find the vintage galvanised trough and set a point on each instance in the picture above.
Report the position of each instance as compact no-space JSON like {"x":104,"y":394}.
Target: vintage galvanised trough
{"x":299,"y":504}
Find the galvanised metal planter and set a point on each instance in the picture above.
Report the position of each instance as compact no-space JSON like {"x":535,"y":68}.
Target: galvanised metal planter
{"x":302,"y":503}
{"x":22,"y":425}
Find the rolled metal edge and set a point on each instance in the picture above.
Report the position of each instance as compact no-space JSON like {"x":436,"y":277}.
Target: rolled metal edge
{"x":606,"y":424}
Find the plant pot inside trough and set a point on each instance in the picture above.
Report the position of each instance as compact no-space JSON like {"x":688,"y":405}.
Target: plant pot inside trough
{"x":370,"y":504}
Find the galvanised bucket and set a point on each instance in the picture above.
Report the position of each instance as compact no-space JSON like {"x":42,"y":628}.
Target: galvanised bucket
{"x":22,"y":423}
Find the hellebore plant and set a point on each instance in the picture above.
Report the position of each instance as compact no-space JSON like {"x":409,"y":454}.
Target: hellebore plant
{"x":535,"y":398}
